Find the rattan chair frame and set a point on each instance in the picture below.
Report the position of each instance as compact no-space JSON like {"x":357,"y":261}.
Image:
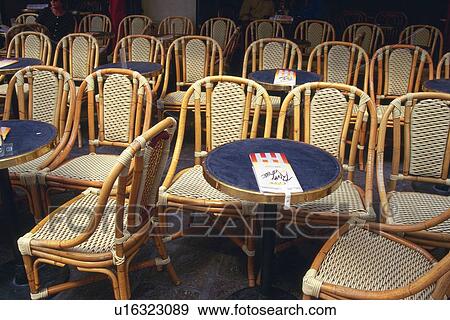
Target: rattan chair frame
{"x":252,"y":30}
{"x":304,"y":27}
{"x":375,"y":40}
{"x":126,"y":26}
{"x":402,"y":169}
{"x":177,"y":54}
{"x":435,"y":42}
{"x":155,"y":53}
{"x":17,"y":47}
{"x":208,"y":29}
{"x":85,"y":25}
{"x":443,"y":67}
{"x":439,"y":274}
{"x":249,"y":129}
{"x":396,"y":20}
{"x":166,"y":26}
{"x":24,"y":18}
{"x":129,"y":237}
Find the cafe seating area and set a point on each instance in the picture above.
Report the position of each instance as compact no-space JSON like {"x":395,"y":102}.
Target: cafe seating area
{"x":128,"y":171}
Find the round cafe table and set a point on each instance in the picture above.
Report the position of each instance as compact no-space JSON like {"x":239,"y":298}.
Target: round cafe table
{"x":147,"y":69}
{"x":228,"y":168}
{"x":20,"y":64}
{"x":266,"y":77}
{"x":26,"y":141}
{"x":437,"y":85}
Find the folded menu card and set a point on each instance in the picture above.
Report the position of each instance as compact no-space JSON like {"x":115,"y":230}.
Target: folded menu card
{"x":274,"y":174}
{"x":7,"y":62}
{"x":285,"y":77}
{"x":3,"y":133}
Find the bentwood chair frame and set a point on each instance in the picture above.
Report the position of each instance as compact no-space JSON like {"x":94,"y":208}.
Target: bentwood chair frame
{"x":25,"y":18}
{"x":133,"y":25}
{"x":227,"y":118}
{"x":220,"y":29}
{"x":14,"y":30}
{"x":111,"y":227}
{"x":177,"y":25}
{"x":314,"y":31}
{"x":50,"y":97}
{"x":382,"y":266}
{"x":367,"y":35}
{"x":327,"y":112}
{"x":424,"y":158}
{"x":195,"y":57}
{"x":425,"y":36}
{"x":142,"y":48}
{"x":96,"y":22}
{"x":263,"y":28}
{"x":443,"y":67}
{"x":124,"y":111}
{"x":31,"y":44}
{"x":393,"y":23}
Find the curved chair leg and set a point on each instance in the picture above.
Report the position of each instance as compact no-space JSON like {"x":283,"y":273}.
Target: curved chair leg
{"x":164,"y":256}
{"x":123,"y":281}
{"x":29,"y":269}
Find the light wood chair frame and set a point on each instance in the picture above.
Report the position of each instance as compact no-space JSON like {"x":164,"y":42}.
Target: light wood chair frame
{"x":435,"y":41}
{"x":303,"y":28}
{"x":85,"y":25}
{"x":17,"y":46}
{"x":252,"y":30}
{"x":376,"y":36}
{"x":24,"y":18}
{"x":126,"y":26}
{"x":208,"y":30}
{"x":166,"y":25}
{"x":443,"y":67}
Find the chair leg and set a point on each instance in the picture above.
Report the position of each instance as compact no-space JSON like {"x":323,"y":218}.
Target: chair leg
{"x":123,"y":281}
{"x":250,"y":242}
{"x":29,"y":269}
{"x":80,"y":138}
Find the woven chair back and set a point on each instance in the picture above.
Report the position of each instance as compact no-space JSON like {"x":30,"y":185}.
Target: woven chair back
{"x":133,"y":24}
{"x":177,"y":25}
{"x":96,"y":23}
{"x":428,"y":37}
{"x":367,"y":35}
{"x":443,"y":67}
{"x":327,"y":110}
{"x":31,"y":44}
{"x":26,"y":18}
{"x":263,"y":28}
{"x":271,"y":53}
{"x":314,"y":31}
{"x":78,"y":54}
{"x":340,"y":62}
{"x":220,"y":29}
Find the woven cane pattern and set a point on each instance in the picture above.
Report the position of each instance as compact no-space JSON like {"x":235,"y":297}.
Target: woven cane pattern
{"x":315,"y":34}
{"x":227,"y":113}
{"x":328,"y":109}
{"x":175,"y":98}
{"x":367,"y":34}
{"x":265,"y":30}
{"x":74,"y":219}
{"x":117,"y":102}
{"x":400,"y":61}
{"x":345,"y":200}
{"x":195,"y":57}
{"x":90,"y":167}
{"x":219,"y":32}
{"x":30,"y":19}
{"x":421,"y":37}
{"x":430,"y":122}
{"x":80,"y":58}
{"x":30,"y":165}
{"x":45,"y":97}
{"x":34,"y":47}
{"x":338,"y":63}
{"x":416,"y":207}
{"x":96,"y":24}
{"x":366,"y":261}
{"x":140,"y":49}
{"x":273,"y":55}
{"x":192,"y":184}
{"x":137,"y":26}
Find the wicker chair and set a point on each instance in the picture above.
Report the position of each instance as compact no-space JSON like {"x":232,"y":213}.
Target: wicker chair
{"x":101,"y":231}
{"x":227,"y":119}
{"x":195,"y":57}
{"x":263,"y":28}
{"x":328,"y":108}
{"x":31,"y":44}
{"x":348,"y":17}
{"x":133,"y":24}
{"x":142,"y":48}
{"x":271,"y":53}
{"x":220,"y":29}
{"x":314,"y":31}
{"x":121,"y":117}
{"x":369,"y":261}
{"x":176,"y":25}
{"x":443,"y":67}
{"x":42,"y":93}
{"x":231,"y":47}
{"x":428,"y":37}
{"x":367,"y":35}
{"x":26,"y":18}
{"x":392,"y":23}
{"x":97,"y":23}
{"x":426,"y":154}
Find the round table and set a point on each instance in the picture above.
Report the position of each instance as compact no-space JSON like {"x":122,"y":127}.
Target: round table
{"x":266,"y":77}
{"x":26,"y":141}
{"x":228,"y":168}
{"x":148,"y":69}
{"x":20,"y":64}
{"x":437,"y":85}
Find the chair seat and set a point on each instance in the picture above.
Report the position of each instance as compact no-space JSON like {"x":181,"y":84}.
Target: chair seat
{"x":175,"y":98}
{"x":381,"y":109}
{"x":415,"y":207}
{"x":29,"y":166}
{"x":90,"y":167}
{"x":192,"y":184}
{"x":276,"y":102}
{"x":344,"y":200}
{"x":70,"y":221}
{"x":367,"y":261}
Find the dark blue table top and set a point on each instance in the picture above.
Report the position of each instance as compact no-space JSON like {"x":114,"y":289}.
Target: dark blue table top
{"x":143,"y":67}
{"x":22,"y":63}
{"x":438,"y":85}
{"x":267,"y":76}
{"x":230,"y":163}
{"x":27,"y":136}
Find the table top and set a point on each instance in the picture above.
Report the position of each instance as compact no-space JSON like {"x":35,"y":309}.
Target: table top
{"x":143,"y":67}
{"x":30,"y":139}
{"x":228,"y":168}
{"x":22,"y":63}
{"x":266,"y":77}
{"x":437,"y":85}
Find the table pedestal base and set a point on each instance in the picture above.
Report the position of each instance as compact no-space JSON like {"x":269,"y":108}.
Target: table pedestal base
{"x":256,"y":294}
